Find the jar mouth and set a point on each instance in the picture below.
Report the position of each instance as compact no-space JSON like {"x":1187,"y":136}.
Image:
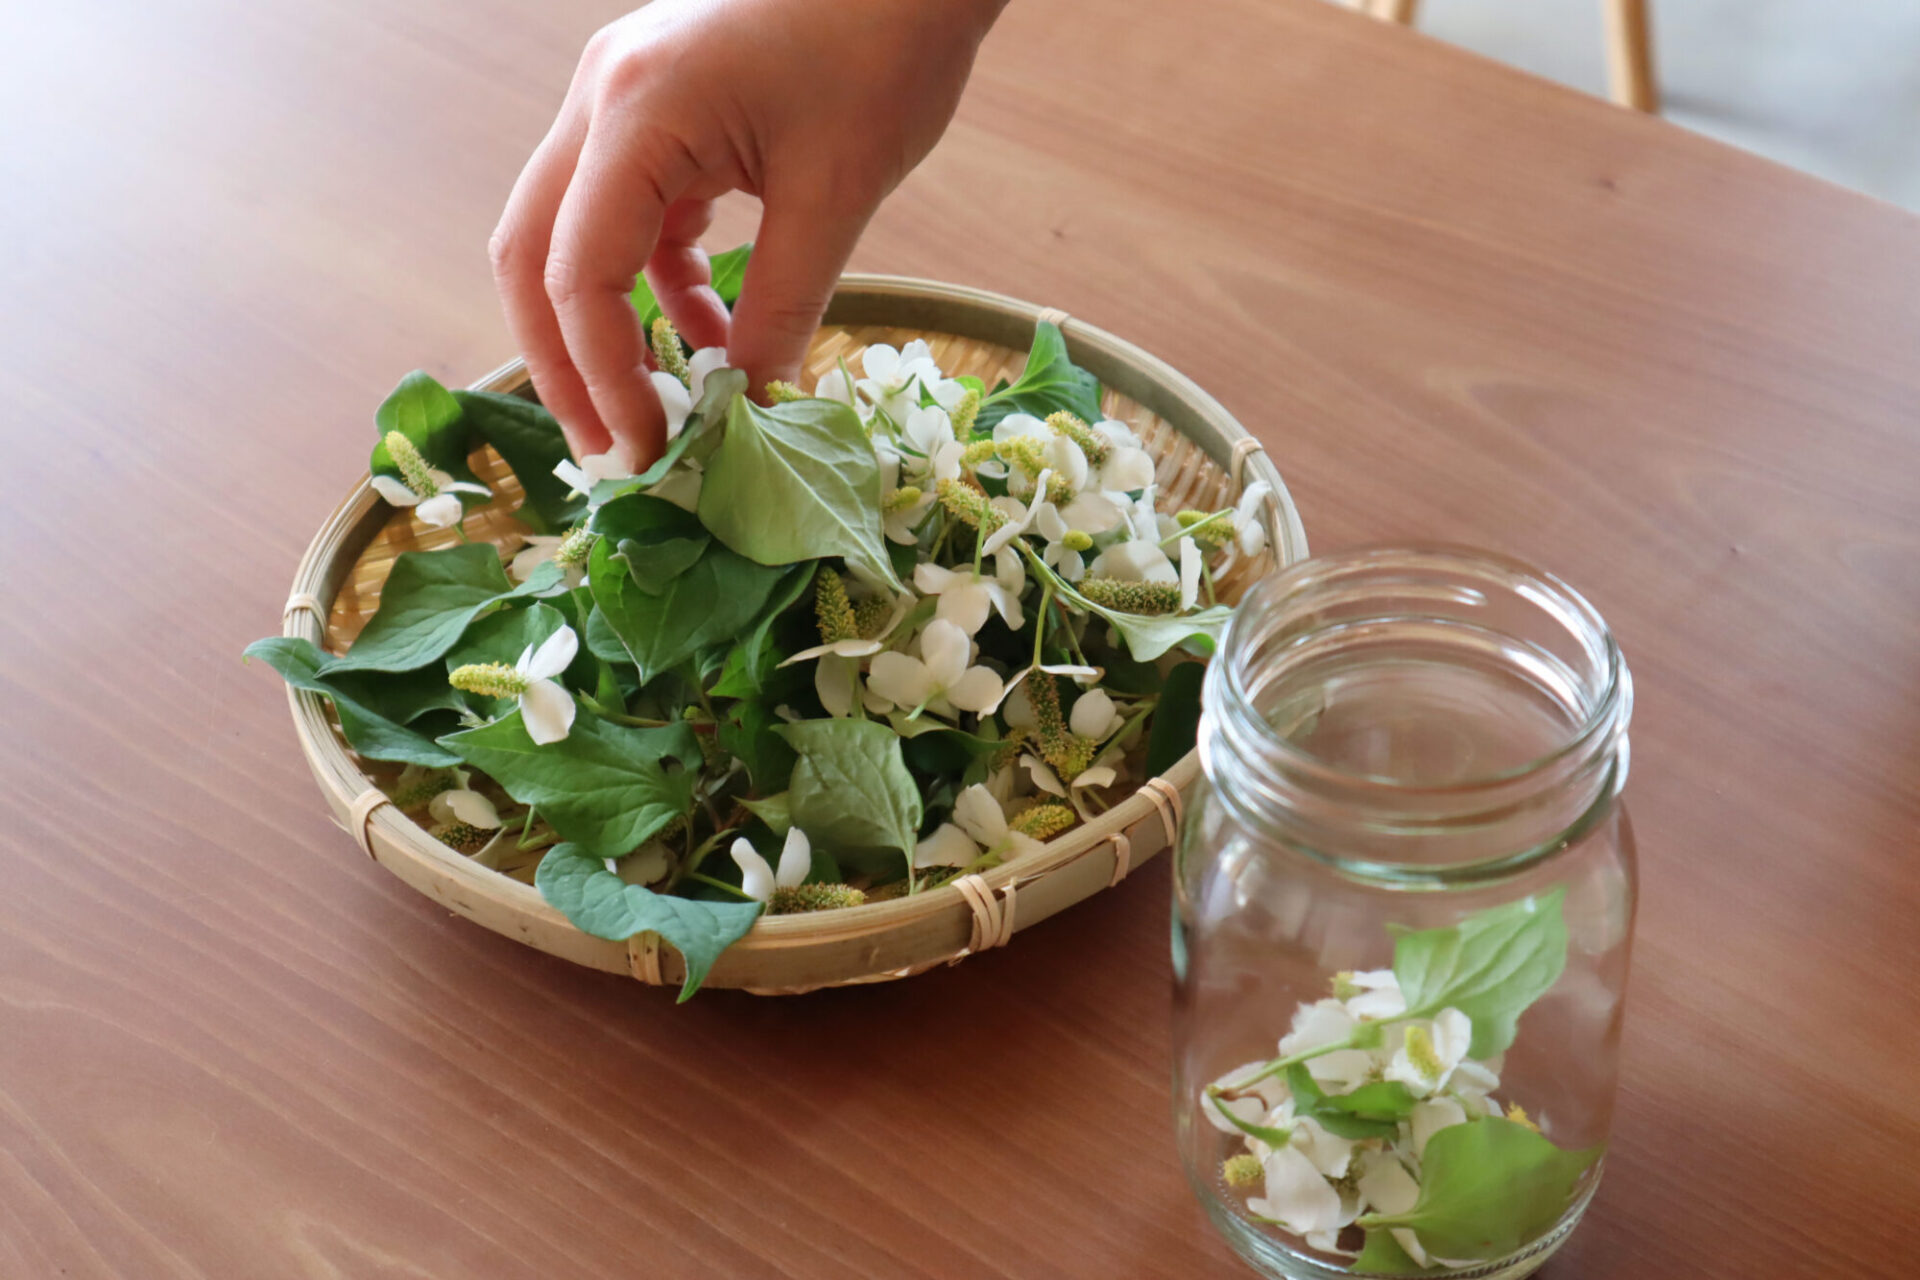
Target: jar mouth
{"x":1452,"y":612}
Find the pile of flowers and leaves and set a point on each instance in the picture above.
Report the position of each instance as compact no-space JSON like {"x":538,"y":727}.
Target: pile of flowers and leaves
{"x":1376,"y":1134}
{"x":845,"y":647}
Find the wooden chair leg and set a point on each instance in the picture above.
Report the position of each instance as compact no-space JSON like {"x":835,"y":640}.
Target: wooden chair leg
{"x":1630,"y":55}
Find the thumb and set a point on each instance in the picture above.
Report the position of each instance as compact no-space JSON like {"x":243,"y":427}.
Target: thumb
{"x":804,"y":244}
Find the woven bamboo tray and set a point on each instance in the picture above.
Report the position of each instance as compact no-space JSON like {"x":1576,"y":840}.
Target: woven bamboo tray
{"x":1204,"y":458}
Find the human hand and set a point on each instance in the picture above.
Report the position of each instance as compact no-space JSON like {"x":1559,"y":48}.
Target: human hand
{"x":819,"y":109}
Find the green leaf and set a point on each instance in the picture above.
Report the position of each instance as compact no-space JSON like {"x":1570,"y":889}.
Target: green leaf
{"x":1051,"y":382}
{"x":729,"y":271}
{"x":1380,"y":1100}
{"x":797,"y":482}
{"x":528,"y":438}
{"x":708,"y":604}
{"x":427,"y":414}
{"x":1384,"y":1256}
{"x":1487,"y":1188}
{"x":1490,"y":966}
{"x":935,"y":749}
{"x":746,"y":730}
{"x":600,"y":903}
{"x":1310,"y":1102}
{"x":652,"y":538}
{"x":375,"y":736}
{"x":428,"y":600}
{"x":774,"y":812}
{"x":603,"y":786}
{"x":1266,"y":1133}
{"x":851,"y":791}
{"x":1176,"y":717}
{"x":757,"y":658}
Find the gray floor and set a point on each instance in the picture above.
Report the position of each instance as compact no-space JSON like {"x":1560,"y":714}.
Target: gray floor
{"x":1828,"y":86}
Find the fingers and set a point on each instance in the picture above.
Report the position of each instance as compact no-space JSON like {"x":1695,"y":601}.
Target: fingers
{"x":805,"y":241}
{"x":519,"y":251}
{"x":682,"y":278}
{"x":603,"y":236}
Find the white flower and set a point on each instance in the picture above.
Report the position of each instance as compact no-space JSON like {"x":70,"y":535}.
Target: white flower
{"x":1379,"y":995}
{"x":1134,"y":561}
{"x":702,"y":363}
{"x":965,"y":598}
{"x":979,"y":824}
{"x":440,"y":508}
{"x":893,"y":375}
{"x":1189,"y":573}
{"x":901,"y":521}
{"x":1016,"y":524}
{"x":940,"y":679}
{"x":1297,"y":1196}
{"x":833,"y":385}
{"x":1473,"y":1081}
{"x":1330,"y":1154}
{"x":1386,"y":1185}
{"x":462,"y":805}
{"x":1063,"y":549}
{"x":927,"y":431}
{"x":591,"y":470}
{"x":1429,"y":1051}
{"x":1318,"y":1025}
{"x":546,"y":708}
{"x":758,"y":880}
{"x":1094,"y":715}
{"x":1126,"y":470}
{"x":1249,"y":530}
{"x":674,"y":400}
{"x":1430,"y":1117}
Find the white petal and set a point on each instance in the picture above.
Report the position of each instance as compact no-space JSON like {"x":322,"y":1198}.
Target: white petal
{"x":880,"y":361}
{"x":442,"y":511}
{"x":611,"y":465}
{"x":1099,"y":775}
{"x":1431,"y":1117}
{"x":537,"y":552}
{"x":1472,"y":1080}
{"x":976,"y":690}
{"x":469,"y":807}
{"x":1316,"y":1025}
{"x":944,"y":648}
{"x":932,"y":579}
{"x":756,"y":877}
{"x":1189,"y":573}
{"x":1093,"y":513}
{"x":1043,"y":776}
{"x":796,"y":860}
{"x":927,"y":429}
{"x":842,"y":648}
{"x":546,"y":708}
{"x":965,"y":606}
{"x":1385,"y":1183}
{"x":1067,"y":462}
{"x":1135,"y":561}
{"x":460,"y":486}
{"x":1329,"y":1154}
{"x":948,"y":392}
{"x":1020,"y":424}
{"x":1297,"y":1195}
{"x":1452,"y":1036}
{"x":702,"y":363}
{"x":900,"y":680}
{"x":978,"y":814}
{"x":1127,"y":469}
{"x":1341,"y":1071}
{"x":1407,"y":1240}
{"x":833,"y":681}
{"x":1073,"y":671}
{"x":1017,"y":711}
{"x":833,"y":386}
{"x":1093,"y":715}
{"x":394,"y":492}
{"x":948,"y":846}
{"x":674,"y":400}
{"x":553,"y":656}
{"x":1010,"y":571}
{"x":1007,"y":604}
{"x":1048,"y":524}
{"x":577,"y":480}
{"x":1248,"y":1109}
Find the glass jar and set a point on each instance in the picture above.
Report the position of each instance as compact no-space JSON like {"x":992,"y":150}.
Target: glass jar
{"x":1403,"y":907}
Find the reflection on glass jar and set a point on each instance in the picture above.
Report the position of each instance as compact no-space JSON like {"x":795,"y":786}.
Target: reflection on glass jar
{"x":1403,"y":908}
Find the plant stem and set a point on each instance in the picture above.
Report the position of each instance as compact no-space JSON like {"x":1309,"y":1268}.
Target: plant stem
{"x":1197,"y":525}
{"x":721,"y":884}
{"x":1040,"y":622}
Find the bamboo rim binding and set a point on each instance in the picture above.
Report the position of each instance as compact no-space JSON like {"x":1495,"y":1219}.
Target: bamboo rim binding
{"x":1205,"y":460}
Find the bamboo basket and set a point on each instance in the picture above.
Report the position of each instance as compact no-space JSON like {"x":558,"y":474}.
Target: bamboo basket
{"x":1204,"y":457}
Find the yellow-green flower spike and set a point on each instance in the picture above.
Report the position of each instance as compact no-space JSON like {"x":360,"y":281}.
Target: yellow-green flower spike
{"x":1009,"y":750}
{"x":1421,"y":1053}
{"x":1344,"y":987}
{"x":413,"y":468}
{"x":870,"y":616}
{"x":1518,"y":1114}
{"x":423,"y":789}
{"x":969,"y":505}
{"x":1075,"y":429}
{"x":458,"y":835}
{"x":904,"y":498}
{"x":1149,"y":598}
{"x":1243,"y":1171}
{"x":813,"y":897}
{"x":1024,"y":452}
{"x":1209,"y":532}
{"x":976,"y":453}
{"x":494,"y":679}
{"x":666,"y":350}
{"x":963,"y":414}
{"x":834,"y":610}
{"x":575,"y":547}
{"x":1066,"y":751}
{"x":1077,"y":541}
{"x":784,"y":392}
{"x":1043,"y":821}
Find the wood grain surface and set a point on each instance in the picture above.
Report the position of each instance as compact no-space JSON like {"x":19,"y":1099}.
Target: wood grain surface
{"x":1457,"y":304}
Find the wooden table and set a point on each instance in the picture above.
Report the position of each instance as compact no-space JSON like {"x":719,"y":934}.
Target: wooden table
{"x":1456,"y":303}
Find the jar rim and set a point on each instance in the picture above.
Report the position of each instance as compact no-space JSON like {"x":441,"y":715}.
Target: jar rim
{"x":1605,"y":717}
